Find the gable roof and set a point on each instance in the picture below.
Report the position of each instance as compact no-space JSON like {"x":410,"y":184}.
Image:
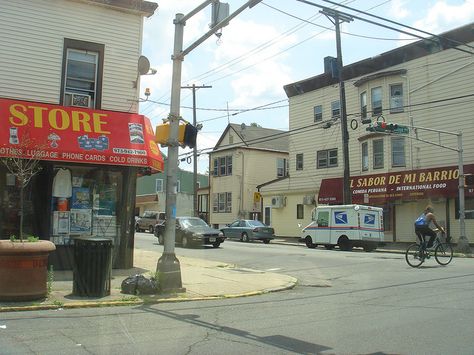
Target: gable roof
{"x":255,"y":138}
{"x":418,"y":49}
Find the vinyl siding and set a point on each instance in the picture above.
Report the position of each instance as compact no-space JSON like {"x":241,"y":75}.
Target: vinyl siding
{"x":32,"y":54}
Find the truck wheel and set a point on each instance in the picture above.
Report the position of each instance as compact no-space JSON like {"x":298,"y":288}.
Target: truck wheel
{"x":150,"y":229}
{"x":309,"y":242}
{"x":344,"y":243}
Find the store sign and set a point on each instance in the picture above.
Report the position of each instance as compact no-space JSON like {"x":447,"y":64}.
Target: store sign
{"x":73,"y":134}
{"x":406,"y":185}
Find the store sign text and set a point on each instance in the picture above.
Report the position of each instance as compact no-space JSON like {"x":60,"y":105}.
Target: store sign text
{"x":57,"y":118}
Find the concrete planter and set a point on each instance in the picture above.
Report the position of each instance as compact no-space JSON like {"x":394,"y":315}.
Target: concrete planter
{"x":24,"y":269}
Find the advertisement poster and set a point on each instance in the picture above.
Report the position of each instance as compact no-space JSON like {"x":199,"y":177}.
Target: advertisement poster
{"x":60,"y":222}
{"x":81,"y":198}
{"x":81,"y":221}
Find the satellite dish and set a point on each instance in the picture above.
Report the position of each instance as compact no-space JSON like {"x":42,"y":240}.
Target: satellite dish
{"x":143,"y":65}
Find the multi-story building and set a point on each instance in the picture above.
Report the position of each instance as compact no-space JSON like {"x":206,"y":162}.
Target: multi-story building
{"x":68,"y":98}
{"x":244,"y":157}
{"x":151,"y":192}
{"x":427,"y":84}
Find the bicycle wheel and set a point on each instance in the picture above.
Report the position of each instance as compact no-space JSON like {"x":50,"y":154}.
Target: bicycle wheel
{"x":444,"y":254}
{"x":414,"y":255}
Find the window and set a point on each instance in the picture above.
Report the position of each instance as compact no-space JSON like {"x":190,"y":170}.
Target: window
{"x":202,"y":203}
{"x":229,"y":164}
{"x":398,"y":151}
{"x":376,"y":97}
{"x":81,"y":83}
{"x":363,"y":105}
{"x":178,"y":186}
{"x":222,"y":202}
{"x":396,"y":98}
{"x":377,"y":146}
{"x":215,"y":203}
{"x":318,"y":113}
{"x":365,"y":156}
{"x":159,"y":185}
{"x":299,"y":161}
{"x":282,"y":169}
{"x":326,"y":158}
{"x":228,"y":206}
{"x":215,"y":170}
{"x":323,"y":218}
{"x":198,"y":184}
{"x":299,"y":211}
{"x":335,"y":109}
{"x":222,"y":166}
{"x":468,"y":205}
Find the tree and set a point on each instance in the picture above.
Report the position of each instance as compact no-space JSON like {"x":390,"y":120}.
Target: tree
{"x":24,"y":169}
{"x":254,"y":124}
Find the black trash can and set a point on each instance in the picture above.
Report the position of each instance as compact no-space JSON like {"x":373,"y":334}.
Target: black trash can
{"x":92,"y":267}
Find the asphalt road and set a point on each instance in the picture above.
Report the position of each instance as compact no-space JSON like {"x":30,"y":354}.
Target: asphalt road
{"x":374,"y":304}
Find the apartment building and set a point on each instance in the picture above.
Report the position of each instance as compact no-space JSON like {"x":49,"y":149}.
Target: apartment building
{"x":244,"y":157}
{"x":425,"y":84}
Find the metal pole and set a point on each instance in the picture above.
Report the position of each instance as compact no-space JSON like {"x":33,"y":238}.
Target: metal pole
{"x":194,"y":87}
{"x":168,"y":265}
{"x":347,"y":194}
{"x":463,"y":243}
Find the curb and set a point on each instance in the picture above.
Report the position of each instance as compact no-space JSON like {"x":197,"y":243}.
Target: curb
{"x":147,"y":301}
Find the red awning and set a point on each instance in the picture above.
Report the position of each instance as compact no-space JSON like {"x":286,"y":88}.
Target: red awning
{"x":407,"y":185}
{"x":76,"y":134}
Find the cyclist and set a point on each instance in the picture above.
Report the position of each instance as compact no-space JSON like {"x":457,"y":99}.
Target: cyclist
{"x":422,"y":224}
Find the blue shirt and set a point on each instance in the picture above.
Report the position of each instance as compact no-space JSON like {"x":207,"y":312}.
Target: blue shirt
{"x":421,"y":221}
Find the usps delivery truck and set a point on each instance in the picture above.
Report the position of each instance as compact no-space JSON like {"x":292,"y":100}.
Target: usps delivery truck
{"x":346,"y":226}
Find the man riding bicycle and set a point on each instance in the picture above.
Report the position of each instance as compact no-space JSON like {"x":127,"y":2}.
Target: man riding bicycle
{"x":422,"y":228}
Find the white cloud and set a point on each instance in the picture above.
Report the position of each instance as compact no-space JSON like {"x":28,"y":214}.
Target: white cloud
{"x":442,"y":16}
{"x":398,"y":9}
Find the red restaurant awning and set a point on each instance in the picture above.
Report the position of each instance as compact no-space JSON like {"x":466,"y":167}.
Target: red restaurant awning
{"x":76,"y":134}
{"x":407,"y":185}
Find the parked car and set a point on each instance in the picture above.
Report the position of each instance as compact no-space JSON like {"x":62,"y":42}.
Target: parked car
{"x":192,"y":231}
{"x":246,"y":230}
{"x":149,"y":220}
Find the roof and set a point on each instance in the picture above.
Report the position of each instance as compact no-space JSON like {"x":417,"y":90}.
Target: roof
{"x":415,"y":50}
{"x":256,"y":138}
{"x":145,"y":7}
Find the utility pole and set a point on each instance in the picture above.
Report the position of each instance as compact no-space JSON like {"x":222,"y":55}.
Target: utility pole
{"x":337,"y":19}
{"x":168,"y":265}
{"x":194,"y":87}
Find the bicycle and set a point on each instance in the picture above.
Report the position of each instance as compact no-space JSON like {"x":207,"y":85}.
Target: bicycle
{"x":417,"y":253}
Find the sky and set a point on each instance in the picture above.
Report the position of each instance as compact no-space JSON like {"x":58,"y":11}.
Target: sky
{"x":275,"y":43}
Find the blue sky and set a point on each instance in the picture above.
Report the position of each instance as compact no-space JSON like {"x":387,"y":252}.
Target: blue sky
{"x":275,"y":43}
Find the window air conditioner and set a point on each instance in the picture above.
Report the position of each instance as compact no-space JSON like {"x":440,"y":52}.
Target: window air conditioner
{"x":308,"y":200}
{"x":79,"y":100}
{"x":278,"y":201}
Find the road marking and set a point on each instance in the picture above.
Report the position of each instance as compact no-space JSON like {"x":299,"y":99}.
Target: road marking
{"x":274,"y":269}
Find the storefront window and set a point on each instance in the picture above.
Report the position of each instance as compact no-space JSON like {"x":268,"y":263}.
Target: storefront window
{"x":468,"y":206}
{"x":84,"y":203}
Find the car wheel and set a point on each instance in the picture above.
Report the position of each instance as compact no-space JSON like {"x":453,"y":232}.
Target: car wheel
{"x":245,"y":237}
{"x":266,"y":241}
{"x":185,"y":242}
{"x":309,"y":242}
{"x":344,"y":243}
{"x":216,"y":244}
{"x":161,"y":239}
{"x":150,"y":229}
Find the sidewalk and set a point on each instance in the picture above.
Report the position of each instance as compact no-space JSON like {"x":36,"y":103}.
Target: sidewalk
{"x":203,"y":279}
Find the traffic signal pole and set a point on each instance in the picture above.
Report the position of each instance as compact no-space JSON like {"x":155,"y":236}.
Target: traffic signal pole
{"x":168,"y":265}
{"x":194,"y":87}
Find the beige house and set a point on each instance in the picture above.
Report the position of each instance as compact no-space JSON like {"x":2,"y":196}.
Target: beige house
{"x":426,"y":84}
{"x":244,"y":157}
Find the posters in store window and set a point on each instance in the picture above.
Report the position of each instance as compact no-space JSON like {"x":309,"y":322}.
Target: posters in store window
{"x":81,"y":198}
{"x":81,"y":221}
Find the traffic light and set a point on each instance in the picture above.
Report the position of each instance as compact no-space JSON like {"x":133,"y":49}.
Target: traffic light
{"x":187,"y":134}
{"x":387,"y":128}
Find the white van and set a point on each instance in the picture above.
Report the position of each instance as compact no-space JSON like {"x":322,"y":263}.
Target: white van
{"x":346,"y":226}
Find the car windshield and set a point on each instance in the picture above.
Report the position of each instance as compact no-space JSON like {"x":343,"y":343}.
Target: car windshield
{"x":256,"y":224}
{"x":192,"y":222}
